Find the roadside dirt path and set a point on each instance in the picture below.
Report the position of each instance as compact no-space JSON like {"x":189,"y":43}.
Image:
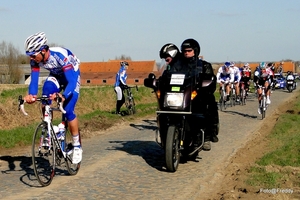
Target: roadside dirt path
{"x":126,"y":163}
{"x":231,"y":183}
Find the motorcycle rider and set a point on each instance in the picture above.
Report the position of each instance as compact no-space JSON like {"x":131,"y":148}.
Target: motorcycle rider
{"x":290,"y":77}
{"x":190,"y":61}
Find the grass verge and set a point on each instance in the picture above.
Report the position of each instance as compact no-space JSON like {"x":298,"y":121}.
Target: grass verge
{"x":280,"y":166}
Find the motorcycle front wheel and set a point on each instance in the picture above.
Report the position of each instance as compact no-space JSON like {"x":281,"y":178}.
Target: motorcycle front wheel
{"x":172,"y":154}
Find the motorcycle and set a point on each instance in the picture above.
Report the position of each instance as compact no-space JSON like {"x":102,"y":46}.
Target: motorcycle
{"x":290,"y":83}
{"x":180,"y":118}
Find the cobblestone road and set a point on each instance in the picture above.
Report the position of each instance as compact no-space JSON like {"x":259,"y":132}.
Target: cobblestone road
{"x":128,"y":164}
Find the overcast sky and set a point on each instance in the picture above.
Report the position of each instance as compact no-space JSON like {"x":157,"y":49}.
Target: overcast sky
{"x":98,"y":30}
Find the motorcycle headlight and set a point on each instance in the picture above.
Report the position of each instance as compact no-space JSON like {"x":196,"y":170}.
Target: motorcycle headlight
{"x":173,"y":100}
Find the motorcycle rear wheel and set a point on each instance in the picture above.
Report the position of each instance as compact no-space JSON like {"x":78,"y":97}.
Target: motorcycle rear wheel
{"x":172,"y":154}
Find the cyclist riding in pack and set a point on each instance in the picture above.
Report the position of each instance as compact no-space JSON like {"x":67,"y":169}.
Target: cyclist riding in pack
{"x":262,"y":78}
{"x":237,"y":78}
{"x":225,"y":75}
{"x":64,"y":76}
{"x":246,"y":76}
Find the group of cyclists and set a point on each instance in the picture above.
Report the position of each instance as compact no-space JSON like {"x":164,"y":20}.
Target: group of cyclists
{"x":229,"y":74}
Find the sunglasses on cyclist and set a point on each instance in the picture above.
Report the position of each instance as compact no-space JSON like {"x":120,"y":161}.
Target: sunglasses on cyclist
{"x":35,"y":54}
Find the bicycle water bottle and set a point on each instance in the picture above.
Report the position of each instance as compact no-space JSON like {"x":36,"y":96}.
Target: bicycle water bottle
{"x":62,"y":129}
{"x":56,"y":131}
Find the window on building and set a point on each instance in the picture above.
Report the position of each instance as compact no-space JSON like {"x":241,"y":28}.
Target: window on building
{"x":136,"y":80}
{"x":88,"y":81}
{"x":103,"y":81}
{"x":26,"y":77}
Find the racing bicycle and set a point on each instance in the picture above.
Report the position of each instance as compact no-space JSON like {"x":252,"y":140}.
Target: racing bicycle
{"x":263,"y":102}
{"x":48,"y":151}
{"x":129,"y":100}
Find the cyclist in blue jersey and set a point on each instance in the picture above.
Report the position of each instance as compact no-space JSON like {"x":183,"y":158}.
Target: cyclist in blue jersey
{"x":120,"y":85}
{"x":64,"y":76}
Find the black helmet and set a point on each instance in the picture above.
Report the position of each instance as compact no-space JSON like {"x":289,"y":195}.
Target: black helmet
{"x":124,"y":63}
{"x":168,"y":50}
{"x":191,"y":43}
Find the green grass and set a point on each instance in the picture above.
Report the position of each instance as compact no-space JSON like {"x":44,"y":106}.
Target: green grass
{"x":283,"y":155}
{"x":94,"y":109}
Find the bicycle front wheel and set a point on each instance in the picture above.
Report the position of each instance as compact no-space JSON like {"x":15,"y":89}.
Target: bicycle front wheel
{"x":43,"y":156}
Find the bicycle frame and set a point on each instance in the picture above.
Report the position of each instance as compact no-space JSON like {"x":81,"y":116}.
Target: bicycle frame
{"x":45,"y":156}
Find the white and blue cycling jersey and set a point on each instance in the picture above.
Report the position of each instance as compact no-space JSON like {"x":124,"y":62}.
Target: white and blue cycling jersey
{"x":64,"y":66}
{"x":121,"y":77}
{"x":237,"y":74}
{"x":223,"y":75}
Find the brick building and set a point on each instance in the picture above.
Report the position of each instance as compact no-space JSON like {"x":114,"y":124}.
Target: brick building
{"x":104,"y":73}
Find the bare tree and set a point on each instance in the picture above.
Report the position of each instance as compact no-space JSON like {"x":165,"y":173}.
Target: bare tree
{"x":10,"y":59}
{"x":123,"y":57}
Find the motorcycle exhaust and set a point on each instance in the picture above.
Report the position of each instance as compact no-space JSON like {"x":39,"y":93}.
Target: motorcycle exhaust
{"x":157,"y":138}
{"x":200,"y":146}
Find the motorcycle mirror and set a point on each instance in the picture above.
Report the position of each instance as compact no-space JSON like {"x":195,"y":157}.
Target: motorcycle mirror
{"x":149,"y":82}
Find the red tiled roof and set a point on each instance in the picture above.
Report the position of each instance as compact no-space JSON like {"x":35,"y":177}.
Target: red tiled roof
{"x":103,"y":73}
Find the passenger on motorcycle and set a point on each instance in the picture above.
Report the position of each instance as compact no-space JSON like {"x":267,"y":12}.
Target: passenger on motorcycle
{"x":190,"y":61}
{"x":237,"y":78}
{"x":225,"y":75}
{"x":262,"y":78}
{"x":246,"y":76}
{"x":170,"y":53}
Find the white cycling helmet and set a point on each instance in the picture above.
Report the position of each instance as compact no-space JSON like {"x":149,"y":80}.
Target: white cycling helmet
{"x":35,"y":43}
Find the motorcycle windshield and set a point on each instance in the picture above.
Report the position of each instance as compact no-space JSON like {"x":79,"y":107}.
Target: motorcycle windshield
{"x":162,"y":66}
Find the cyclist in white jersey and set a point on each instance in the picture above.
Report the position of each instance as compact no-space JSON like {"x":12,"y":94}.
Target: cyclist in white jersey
{"x":237,"y":79}
{"x":225,"y":76}
{"x":64,"y":76}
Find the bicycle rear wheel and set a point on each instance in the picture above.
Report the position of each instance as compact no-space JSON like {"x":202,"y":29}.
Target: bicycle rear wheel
{"x":43,"y":156}
{"x":130,"y":104}
{"x":232,"y":98}
{"x":71,"y":168}
{"x":222,"y":101}
{"x":243,"y":96}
